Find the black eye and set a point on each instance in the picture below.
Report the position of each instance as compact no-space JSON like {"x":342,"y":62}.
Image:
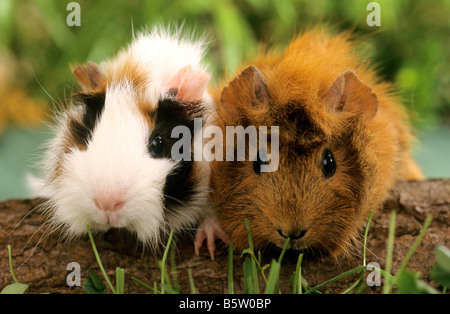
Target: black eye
{"x":156,"y":147}
{"x":258,"y":162}
{"x":328,"y":164}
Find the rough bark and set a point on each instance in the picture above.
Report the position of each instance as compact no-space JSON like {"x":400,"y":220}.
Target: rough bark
{"x":40,"y":258}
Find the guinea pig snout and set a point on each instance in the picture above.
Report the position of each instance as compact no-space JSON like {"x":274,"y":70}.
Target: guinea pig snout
{"x":295,"y":234}
{"x":108,"y":203}
{"x":109,"y":207}
{"x":109,"y":198}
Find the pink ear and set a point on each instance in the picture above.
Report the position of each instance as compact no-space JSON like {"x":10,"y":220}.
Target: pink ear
{"x":348,"y":93}
{"x":189,"y":84}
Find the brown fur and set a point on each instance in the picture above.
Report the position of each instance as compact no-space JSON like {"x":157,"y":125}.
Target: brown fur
{"x":121,"y":70}
{"x":321,"y":95}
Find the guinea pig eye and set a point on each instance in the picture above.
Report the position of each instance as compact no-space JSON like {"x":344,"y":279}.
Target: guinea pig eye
{"x":156,"y":147}
{"x":328,"y":164}
{"x":258,"y":162}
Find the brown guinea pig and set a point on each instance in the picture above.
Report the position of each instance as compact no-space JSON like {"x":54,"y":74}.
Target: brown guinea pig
{"x":344,"y":140}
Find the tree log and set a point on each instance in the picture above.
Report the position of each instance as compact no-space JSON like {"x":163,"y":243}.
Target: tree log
{"x":40,"y":256}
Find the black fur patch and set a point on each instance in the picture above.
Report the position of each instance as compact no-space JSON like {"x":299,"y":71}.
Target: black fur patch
{"x":351,"y":161}
{"x":171,"y":112}
{"x":296,"y":121}
{"x":93,"y":104}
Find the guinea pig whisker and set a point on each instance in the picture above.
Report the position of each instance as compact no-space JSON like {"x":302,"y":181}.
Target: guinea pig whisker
{"x":175,"y":199}
{"x":44,"y":235}
{"x":20,"y":221}
{"x":43,"y":89}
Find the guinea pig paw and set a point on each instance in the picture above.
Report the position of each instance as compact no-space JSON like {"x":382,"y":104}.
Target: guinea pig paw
{"x":210,"y":230}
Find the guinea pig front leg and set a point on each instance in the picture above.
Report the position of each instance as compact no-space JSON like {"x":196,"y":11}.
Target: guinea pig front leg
{"x":210,"y":230}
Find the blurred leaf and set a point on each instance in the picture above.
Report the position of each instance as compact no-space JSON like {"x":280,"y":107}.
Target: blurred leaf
{"x":443,"y":257}
{"x":93,"y":284}
{"x":408,"y":282}
{"x":6,"y":18}
{"x":15,"y":288}
{"x":440,"y":272}
{"x":440,"y":275}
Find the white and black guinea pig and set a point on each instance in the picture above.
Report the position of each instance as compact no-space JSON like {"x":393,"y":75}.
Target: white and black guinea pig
{"x":110,"y":163}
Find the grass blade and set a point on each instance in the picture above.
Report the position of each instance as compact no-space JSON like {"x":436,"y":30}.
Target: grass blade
{"x":297,"y":285}
{"x":173,"y":266}
{"x":163,"y":262}
{"x":390,"y":248}
{"x":249,"y":233}
{"x":253,"y":260}
{"x":416,"y":243}
{"x":99,"y":262}
{"x":120,"y":280}
{"x":16,"y":287}
{"x":191,"y":281}
{"x":10,"y":265}
{"x":154,"y":289}
{"x":273,"y":278}
{"x":248,"y":276}
{"x":255,"y":277}
{"x":338,"y":277}
{"x":366,"y":232}
{"x":286,"y":244}
{"x":230,"y":269}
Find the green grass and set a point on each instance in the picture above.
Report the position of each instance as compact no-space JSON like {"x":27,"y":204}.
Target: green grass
{"x":390,"y":249}
{"x":100,"y":265}
{"x":17,"y":287}
{"x":254,"y":272}
{"x":230,"y":269}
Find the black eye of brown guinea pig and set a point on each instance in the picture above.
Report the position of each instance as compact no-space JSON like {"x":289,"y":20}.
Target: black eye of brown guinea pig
{"x":344,"y":140}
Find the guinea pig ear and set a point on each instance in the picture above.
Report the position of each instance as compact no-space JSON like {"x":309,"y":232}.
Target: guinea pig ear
{"x":89,"y":76}
{"x":248,"y":88}
{"x":349,"y":94}
{"x":189,"y":84}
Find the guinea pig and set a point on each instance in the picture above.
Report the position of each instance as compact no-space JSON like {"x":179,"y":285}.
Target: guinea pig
{"x":110,"y":163}
{"x":343,"y":141}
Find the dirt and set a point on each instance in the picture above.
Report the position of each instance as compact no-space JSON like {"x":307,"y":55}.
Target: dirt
{"x":40,"y":257}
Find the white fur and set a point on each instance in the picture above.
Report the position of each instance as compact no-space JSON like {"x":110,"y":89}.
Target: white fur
{"x":165,"y":57}
{"x":116,"y":162}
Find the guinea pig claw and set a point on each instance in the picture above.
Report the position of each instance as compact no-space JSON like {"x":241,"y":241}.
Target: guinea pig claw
{"x":200,"y":237}
{"x":210,"y":230}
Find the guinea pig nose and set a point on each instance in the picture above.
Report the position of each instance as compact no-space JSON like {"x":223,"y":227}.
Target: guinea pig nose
{"x":108,"y":204}
{"x":293,"y":235}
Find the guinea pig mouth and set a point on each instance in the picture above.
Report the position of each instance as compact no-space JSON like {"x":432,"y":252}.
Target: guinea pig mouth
{"x":294,"y":244}
{"x":296,"y":239}
{"x":112,"y":219}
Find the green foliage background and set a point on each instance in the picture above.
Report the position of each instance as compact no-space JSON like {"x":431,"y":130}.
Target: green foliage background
{"x":411,"y":47}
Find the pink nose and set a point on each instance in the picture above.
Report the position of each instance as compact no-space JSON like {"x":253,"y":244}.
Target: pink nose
{"x":108,"y":203}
